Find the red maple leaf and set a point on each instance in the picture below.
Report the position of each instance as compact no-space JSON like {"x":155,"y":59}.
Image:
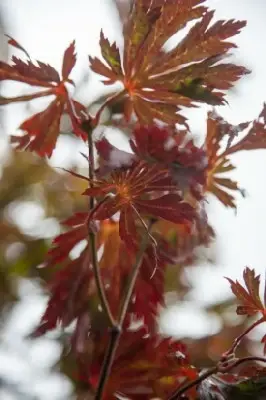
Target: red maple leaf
{"x":126,"y":191}
{"x":174,"y":150}
{"x":70,"y":290}
{"x":145,"y":366}
{"x":166,"y":147}
{"x":158,"y":82}
{"x":42,"y":129}
{"x":110,"y":157}
{"x":65,"y":242}
{"x":182,"y":243}
{"x":219,"y":132}
{"x":148,"y":294}
{"x":72,"y":287}
{"x":249,"y":297}
{"x":73,"y":282}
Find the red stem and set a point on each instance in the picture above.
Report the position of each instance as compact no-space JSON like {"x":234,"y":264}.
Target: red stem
{"x":222,"y":364}
{"x":116,"y":327}
{"x":116,"y":96}
{"x":26,"y":97}
{"x":240,"y":337}
{"x":211,"y":371}
{"x":92,"y":240}
{"x":195,"y":382}
{"x":117,"y":330}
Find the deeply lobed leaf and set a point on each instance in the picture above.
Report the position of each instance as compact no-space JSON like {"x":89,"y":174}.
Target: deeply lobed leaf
{"x":159,"y":82}
{"x":42,"y":129}
{"x":165,"y":148}
{"x":145,"y":366}
{"x":127,"y":192}
{"x":249,"y":297}
{"x":221,"y":142}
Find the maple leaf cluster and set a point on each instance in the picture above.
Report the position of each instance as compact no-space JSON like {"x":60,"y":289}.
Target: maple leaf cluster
{"x":156,"y":374}
{"x":146,"y":209}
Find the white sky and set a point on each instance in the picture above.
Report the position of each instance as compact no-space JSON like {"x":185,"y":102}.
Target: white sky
{"x":45,"y":29}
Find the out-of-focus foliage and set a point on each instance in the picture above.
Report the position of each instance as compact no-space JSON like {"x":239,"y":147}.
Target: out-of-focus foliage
{"x":28,"y":178}
{"x":158,"y":189}
{"x":29,"y":181}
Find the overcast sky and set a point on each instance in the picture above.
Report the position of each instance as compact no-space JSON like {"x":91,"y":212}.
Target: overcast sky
{"x":45,"y":29}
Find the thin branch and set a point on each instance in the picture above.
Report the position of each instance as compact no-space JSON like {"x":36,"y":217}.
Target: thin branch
{"x":211,"y":371}
{"x":223,"y":366}
{"x":240,"y":337}
{"x":100,"y":288}
{"x":117,"y":330}
{"x":108,"y":361}
{"x":92,"y":240}
{"x":244,"y":360}
{"x":110,"y":100}
{"x":195,"y":382}
{"x":132,"y":279}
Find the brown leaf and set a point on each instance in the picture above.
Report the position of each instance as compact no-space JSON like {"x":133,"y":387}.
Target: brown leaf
{"x":159,"y":82}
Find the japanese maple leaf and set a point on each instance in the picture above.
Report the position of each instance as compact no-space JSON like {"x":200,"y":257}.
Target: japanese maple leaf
{"x":221,"y":141}
{"x":42,"y":129}
{"x":72,"y":287}
{"x":126,"y":191}
{"x":182,"y":243}
{"x":148,"y":294}
{"x":164,"y":146}
{"x":110,"y":157}
{"x":173,"y":149}
{"x":248,"y":297}
{"x":73,"y":283}
{"x":145,"y":366}
{"x":158,"y":82}
{"x":70,"y":290}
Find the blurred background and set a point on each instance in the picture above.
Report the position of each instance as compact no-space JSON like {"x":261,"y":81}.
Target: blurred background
{"x":35,"y":196}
